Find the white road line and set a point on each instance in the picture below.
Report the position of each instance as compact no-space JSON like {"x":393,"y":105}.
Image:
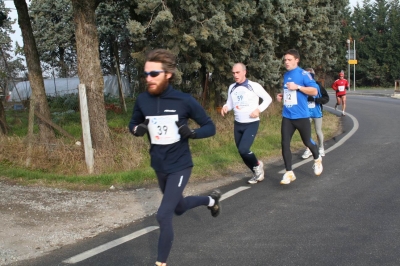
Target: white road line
{"x":336,"y":145}
{"x":233,"y":192}
{"x":93,"y":252}
{"x":90,"y":253}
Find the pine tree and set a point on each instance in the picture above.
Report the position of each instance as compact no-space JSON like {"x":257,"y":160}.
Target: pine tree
{"x":54,"y":30}
{"x":209,"y":37}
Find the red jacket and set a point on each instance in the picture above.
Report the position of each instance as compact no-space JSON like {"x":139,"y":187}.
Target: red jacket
{"x":340,"y":86}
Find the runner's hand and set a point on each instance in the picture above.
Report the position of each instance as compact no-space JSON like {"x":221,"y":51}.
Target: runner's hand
{"x":185,"y":131}
{"x":141,"y":129}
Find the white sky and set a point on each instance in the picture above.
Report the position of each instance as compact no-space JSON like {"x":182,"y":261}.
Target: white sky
{"x":16,"y":37}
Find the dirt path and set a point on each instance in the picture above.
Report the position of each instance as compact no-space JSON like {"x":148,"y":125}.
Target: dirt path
{"x":36,"y":220}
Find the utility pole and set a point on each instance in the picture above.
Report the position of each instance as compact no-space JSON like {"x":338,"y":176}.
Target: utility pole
{"x":354,"y":64}
{"x":348,"y":56}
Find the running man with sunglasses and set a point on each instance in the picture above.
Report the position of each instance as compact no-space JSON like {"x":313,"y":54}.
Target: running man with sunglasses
{"x":243,"y":98}
{"x":163,"y":113}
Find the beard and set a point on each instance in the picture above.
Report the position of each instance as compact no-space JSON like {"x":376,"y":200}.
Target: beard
{"x":159,"y":88}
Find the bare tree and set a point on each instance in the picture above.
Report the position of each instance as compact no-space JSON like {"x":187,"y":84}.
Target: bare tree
{"x":89,"y":70}
{"x":38,"y":96}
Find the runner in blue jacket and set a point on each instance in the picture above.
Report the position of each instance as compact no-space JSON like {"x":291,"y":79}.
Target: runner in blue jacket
{"x":297,"y":86}
{"x":163,"y":113}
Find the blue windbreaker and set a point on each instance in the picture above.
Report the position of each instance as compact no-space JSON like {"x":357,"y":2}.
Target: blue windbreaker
{"x":302,"y":78}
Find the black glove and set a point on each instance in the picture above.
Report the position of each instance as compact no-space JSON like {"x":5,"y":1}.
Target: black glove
{"x":185,"y":131}
{"x":141,"y":129}
{"x":347,"y":88}
{"x":310,"y":99}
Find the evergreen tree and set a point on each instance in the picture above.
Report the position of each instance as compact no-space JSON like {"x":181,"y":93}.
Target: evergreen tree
{"x":54,"y":30}
{"x":209,"y":37}
{"x":392,"y":55}
{"x":115,"y":44}
{"x":376,"y":28}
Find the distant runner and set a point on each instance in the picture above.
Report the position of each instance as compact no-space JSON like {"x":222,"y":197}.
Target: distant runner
{"x":341,"y":85}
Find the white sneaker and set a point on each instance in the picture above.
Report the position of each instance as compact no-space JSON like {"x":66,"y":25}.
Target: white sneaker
{"x":288,"y":177}
{"x":343,"y":113}
{"x":318,"y":166}
{"x":321,"y":151}
{"x":307,"y":153}
{"x":258,"y":173}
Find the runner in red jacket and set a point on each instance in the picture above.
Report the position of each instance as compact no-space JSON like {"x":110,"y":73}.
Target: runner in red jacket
{"x":340,"y":86}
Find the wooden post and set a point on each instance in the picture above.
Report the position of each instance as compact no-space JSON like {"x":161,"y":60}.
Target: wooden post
{"x":121,"y":93}
{"x":396,"y":86}
{"x":30,"y":130}
{"x":87,"y":140}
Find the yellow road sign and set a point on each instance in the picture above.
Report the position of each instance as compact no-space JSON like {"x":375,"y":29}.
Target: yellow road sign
{"x":353,"y":62}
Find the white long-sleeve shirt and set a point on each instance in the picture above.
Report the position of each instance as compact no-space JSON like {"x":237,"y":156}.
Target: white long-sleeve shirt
{"x":244,"y":98}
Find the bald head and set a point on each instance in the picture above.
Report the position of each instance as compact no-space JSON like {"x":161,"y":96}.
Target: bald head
{"x":239,"y":72}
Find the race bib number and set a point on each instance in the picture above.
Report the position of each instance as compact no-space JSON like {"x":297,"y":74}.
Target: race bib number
{"x":289,"y":97}
{"x":163,"y":130}
{"x":311,"y":104}
{"x":341,"y":88}
{"x":240,"y":100}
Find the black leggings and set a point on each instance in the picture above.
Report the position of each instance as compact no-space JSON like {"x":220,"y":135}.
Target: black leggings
{"x":288,"y":128}
{"x":172,"y":186}
{"x":245,"y":134}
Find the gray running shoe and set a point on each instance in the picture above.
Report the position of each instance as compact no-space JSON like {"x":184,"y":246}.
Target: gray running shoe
{"x":253,"y":180}
{"x":307,"y":153}
{"x":258,"y":173}
{"x":215,"y":210}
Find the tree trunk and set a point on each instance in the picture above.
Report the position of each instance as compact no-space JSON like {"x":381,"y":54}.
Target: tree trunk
{"x":38,"y":97}
{"x":3,"y":122}
{"x":89,"y":71}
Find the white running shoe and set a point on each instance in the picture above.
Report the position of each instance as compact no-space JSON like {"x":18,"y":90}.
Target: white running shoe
{"x":318,"y":166}
{"x":288,"y":177}
{"x":343,"y":113}
{"x":258,"y":173}
{"x":321,"y":151}
{"x":307,"y":153}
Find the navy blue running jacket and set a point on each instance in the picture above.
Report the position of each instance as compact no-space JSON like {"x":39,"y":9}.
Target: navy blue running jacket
{"x":172,"y":157}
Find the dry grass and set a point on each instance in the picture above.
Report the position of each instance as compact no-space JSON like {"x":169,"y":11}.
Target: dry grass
{"x":131,"y":153}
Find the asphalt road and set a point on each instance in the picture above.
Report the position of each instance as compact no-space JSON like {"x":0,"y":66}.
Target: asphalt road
{"x":350,"y":215}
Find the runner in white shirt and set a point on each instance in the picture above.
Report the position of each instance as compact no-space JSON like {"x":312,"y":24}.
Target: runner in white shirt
{"x":243,"y":98}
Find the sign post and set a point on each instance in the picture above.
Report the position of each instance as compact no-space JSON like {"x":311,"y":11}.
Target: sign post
{"x":354,"y":66}
{"x":351,"y":57}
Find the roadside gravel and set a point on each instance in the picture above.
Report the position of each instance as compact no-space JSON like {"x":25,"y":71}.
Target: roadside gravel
{"x":36,"y":220}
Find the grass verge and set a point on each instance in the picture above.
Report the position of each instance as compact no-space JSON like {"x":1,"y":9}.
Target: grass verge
{"x":128,"y":166}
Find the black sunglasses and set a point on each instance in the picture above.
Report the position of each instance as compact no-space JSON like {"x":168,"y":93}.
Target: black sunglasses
{"x":153,"y":73}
